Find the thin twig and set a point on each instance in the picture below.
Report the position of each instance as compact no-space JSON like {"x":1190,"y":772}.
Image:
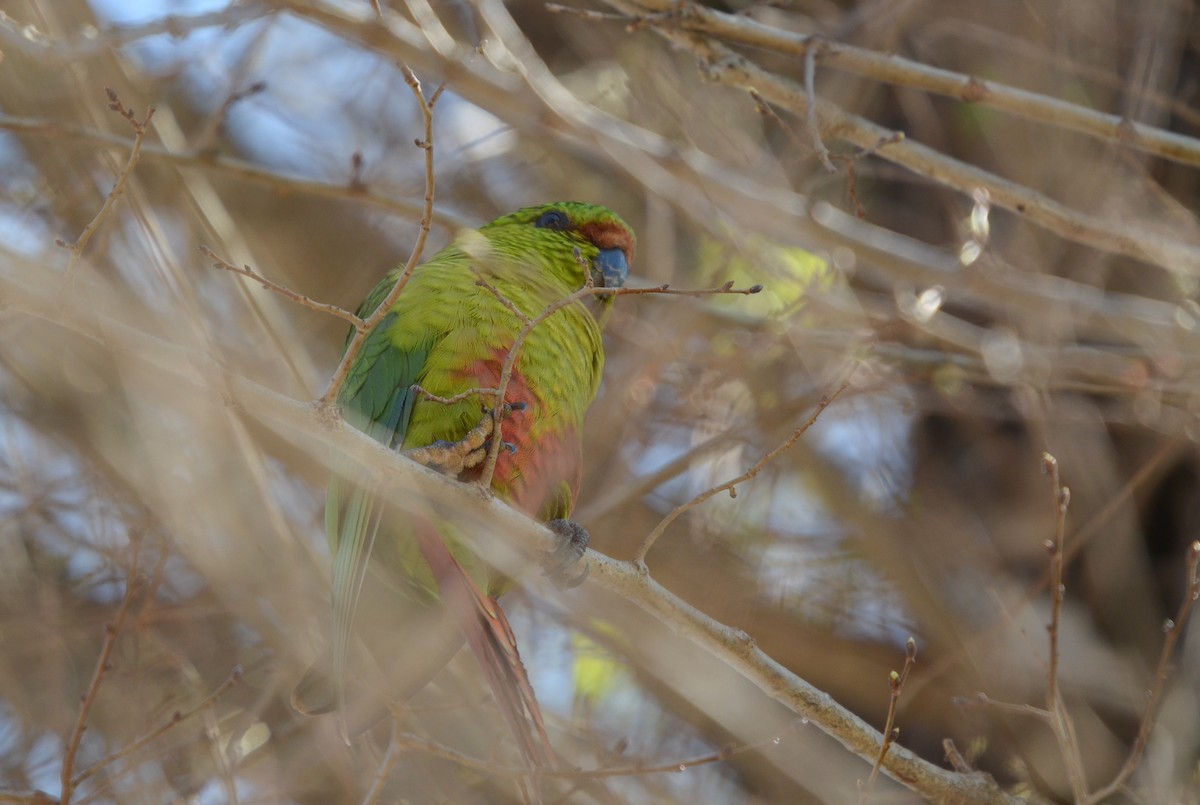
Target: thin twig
{"x":154,"y":581}
{"x":355,"y":182}
{"x":983,"y":700}
{"x":890,"y":732}
{"x":281,"y":183}
{"x":722,"y":755}
{"x":1017,"y":50}
{"x":957,"y":761}
{"x":395,"y":746}
{"x":380,"y":313}
{"x":217,"y":751}
{"x":27,"y":798}
{"x":89,"y":42}
{"x":588,"y":289}
{"x":510,"y":361}
{"x":451,"y":400}
{"x":849,"y":159}
{"x":1064,"y":726}
{"x":667,"y":290}
{"x":638,"y":486}
{"x":504,"y":300}
{"x":721,"y":64}
{"x":139,"y":132}
{"x":176,"y":719}
{"x":287,"y":293}
{"x":766,"y":110}
{"x":205,"y":140}
{"x":894,"y":69}
{"x":810,"y":114}
{"x":852,"y":160}
{"x":1079,"y":538}
{"x":514,"y":351}
{"x":1096,"y":523}
{"x":639,"y":556}
{"x":26,"y":291}
{"x":639,"y":152}
{"x":588,"y":14}
{"x":112,"y":629}
{"x":1173,"y":629}
{"x":1062,"y":498}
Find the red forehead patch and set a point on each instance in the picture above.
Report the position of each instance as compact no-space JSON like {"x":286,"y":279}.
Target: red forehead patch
{"x":609,"y":235}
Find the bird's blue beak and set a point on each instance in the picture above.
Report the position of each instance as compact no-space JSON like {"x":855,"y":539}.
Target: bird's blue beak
{"x":612,"y":267}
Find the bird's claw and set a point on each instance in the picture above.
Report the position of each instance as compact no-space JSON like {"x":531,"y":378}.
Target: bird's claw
{"x":453,"y":458}
{"x":572,"y":543}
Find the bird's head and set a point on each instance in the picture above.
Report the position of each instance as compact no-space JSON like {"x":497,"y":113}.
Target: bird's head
{"x":568,"y":236}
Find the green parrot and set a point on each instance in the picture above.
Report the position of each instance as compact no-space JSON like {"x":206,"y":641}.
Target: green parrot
{"x":404,"y":582}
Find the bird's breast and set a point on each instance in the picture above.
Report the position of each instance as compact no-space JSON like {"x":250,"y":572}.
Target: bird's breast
{"x":541,"y":444}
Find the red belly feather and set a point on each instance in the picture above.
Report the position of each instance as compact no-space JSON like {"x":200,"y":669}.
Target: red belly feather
{"x":532,"y":473}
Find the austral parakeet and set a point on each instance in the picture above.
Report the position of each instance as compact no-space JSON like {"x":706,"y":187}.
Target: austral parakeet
{"x":449,"y":332}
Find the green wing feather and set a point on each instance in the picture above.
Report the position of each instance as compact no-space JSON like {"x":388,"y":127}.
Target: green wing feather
{"x":378,"y":400}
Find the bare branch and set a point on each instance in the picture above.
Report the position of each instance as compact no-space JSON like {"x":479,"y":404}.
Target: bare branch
{"x":1055,"y":548}
{"x":287,"y":293}
{"x":177,"y":718}
{"x":397,"y":743}
{"x":504,"y":300}
{"x":588,"y":14}
{"x":639,"y":556}
{"x":957,"y":761}
{"x":27,"y":798}
{"x":890,"y":732}
{"x":667,"y":290}
{"x":139,"y":132}
{"x":1172,"y":628}
{"x":983,"y":700}
{"x":476,"y":392}
{"x":506,"y":370}
{"x":231,"y":166}
{"x":1063,"y":724}
{"x":436,"y":749}
{"x":112,"y":630}
{"x":304,"y":425}
{"x":380,"y":313}
{"x":892,"y":69}
{"x":204,"y":141}
{"x":814,"y":126}
{"x":87,"y":44}
{"x":514,"y":351}
{"x":721,"y":64}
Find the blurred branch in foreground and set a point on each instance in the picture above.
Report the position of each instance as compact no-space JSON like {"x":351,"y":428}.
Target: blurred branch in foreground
{"x":1005,"y":249}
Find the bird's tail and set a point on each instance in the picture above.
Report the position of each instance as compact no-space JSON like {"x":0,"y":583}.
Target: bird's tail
{"x":491,"y":639}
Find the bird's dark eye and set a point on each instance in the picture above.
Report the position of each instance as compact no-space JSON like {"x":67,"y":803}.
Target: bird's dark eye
{"x":554,"y":219}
